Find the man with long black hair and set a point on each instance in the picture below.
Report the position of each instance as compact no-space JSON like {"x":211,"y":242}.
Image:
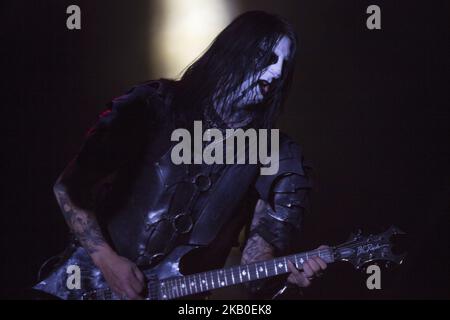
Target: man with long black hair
{"x":128,"y":206}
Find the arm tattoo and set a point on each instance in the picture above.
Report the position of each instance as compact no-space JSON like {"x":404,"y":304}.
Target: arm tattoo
{"x":82,"y":223}
{"x":256,"y":248}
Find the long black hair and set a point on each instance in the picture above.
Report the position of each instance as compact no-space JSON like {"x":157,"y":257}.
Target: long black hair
{"x":243,"y":48}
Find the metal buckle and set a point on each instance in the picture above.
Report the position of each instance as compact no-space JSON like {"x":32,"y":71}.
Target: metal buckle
{"x":202,"y":182}
{"x":182,"y":223}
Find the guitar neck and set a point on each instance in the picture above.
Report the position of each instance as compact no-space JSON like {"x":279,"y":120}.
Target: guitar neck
{"x":201,"y":282}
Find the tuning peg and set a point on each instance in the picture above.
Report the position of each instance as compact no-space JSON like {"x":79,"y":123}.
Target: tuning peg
{"x":400,"y":258}
{"x":396,"y":231}
{"x":351,"y":237}
{"x":392,"y":231}
{"x":355,"y":235}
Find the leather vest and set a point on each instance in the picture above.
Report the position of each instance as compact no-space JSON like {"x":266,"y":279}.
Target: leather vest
{"x":155,"y":205}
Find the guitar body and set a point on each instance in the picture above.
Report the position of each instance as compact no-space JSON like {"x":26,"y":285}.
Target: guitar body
{"x":62,"y":283}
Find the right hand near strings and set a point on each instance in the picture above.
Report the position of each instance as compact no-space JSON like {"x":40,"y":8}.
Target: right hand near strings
{"x":122,"y":275}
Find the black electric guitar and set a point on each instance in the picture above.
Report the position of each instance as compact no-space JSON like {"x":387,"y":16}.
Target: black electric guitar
{"x":165,"y":282}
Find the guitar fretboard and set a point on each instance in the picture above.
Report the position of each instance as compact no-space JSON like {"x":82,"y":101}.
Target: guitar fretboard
{"x":201,"y":282}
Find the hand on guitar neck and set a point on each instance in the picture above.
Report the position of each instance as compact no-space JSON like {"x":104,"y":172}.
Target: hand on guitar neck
{"x":257,"y":250}
{"x":312,"y":268}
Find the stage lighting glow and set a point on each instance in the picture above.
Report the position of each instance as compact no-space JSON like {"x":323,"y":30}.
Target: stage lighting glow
{"x":182,"y":30}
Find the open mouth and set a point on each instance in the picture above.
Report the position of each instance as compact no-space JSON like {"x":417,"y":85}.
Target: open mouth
{"x":264,"y":87}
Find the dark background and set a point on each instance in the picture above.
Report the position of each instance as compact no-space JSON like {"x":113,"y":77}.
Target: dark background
{"x":370,"y":109}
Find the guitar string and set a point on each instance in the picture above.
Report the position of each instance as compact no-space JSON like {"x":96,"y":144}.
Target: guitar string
{"x":271,"y":268}
{"x":227,"y":272}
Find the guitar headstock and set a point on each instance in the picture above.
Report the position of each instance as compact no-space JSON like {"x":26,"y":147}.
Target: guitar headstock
{"x":361,"y":250}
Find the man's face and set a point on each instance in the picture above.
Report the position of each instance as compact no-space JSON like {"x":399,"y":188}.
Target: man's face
{"x":254,"y":91}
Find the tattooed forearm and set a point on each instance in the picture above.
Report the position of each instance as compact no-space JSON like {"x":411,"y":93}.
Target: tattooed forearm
{"x":82,"y":223}
{"x":257,"y":249}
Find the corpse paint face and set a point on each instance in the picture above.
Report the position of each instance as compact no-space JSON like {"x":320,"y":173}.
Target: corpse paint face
{"x":253,"y":91}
